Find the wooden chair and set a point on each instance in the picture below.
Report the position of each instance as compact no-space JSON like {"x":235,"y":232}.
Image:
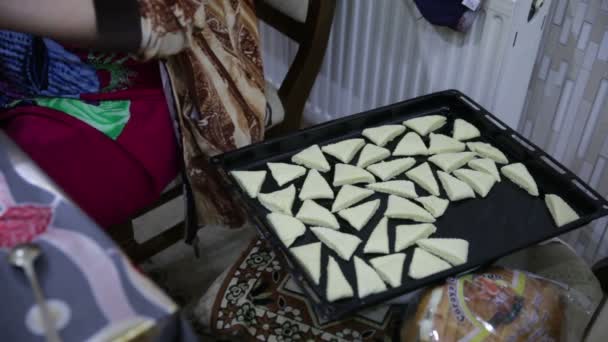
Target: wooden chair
{"x":311,"y":32}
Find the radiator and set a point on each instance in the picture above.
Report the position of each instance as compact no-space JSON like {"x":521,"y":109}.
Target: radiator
{"x":384,"y":51}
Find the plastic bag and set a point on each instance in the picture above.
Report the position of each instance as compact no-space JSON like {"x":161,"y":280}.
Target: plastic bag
{"x":494,"y":305}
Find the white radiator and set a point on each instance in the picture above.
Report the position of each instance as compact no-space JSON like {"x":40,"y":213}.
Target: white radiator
{"x":384,"y":51}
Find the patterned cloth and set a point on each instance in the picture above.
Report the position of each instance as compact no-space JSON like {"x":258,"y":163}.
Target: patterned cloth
{"x":259,"y":301}
{"x":218,"y":85}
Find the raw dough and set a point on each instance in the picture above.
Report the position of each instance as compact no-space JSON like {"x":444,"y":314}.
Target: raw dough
{"x":313,"y":214}
{"x":348,"y":174}
{"x":383,"y":134}
{"x":401,"y":188}
{"x":454,"y":251}
{"x":349,"y":195}
{"x":287,"y":228}
{"x":434,"y":205}
{"x":344,"y":150}
{"x":401,"y":208}
{"x":309,"y":257}
{"x":561,"y":212}
{"x":455,"y":188}
{"x":426,"y":124}
{"x":343,"y":244}
{"x":423,"y":176}
{"x":411,"y":145}
{"x":378,"y":240}
{"x":481,"y":182}
{"x":359,"y":216}
{"x":390,"y":268}
{"x":279,"y":201}
{"x":485,"y":165}
{"x":315,"y":187}
{"x":443,"y":144}
{"x":372,"y":154}
{"x":488,"y":151}
{"x":313,"y":158}
{"x":250,"y":181}
{"x":337,"y":285}
{"x":463,"y":130}
{"x":391,"y":169}
{"x":368,"y":281}
{"x":284,"y":173}
{"x":518,"y":174}
{"x":406,"y":235}
{"x":425,"y":264}
{"x":449,"y":162}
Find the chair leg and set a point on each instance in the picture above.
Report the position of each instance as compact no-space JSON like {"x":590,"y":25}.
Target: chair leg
{"x":124,"y":235}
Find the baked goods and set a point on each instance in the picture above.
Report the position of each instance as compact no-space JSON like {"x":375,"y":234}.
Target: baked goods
{"x":449,"y":162}
{"x":443,"y":144}
{"x":372,"y":154}
{"x":426,"y":124}
{"x":348,"y":196}
{"x":287,"y":228}
{"x":344,"y":150}
{"x":284,"y":173}
{"x":368,"y":281}
{"x":401,"y":208}
{"x":343,"y":244}
{"x":279,"y":201}
{"x":315,"y":187}
{"x":411,"y":145}
{"x":406,"y":235}
{"x":485,"y":165}
{"x":433,"y":204}
{"x":384,"y":134}
{"x":348,"y":174}
{"x":481,"y":182}
{"x":309,"y":257}
{"x":390,"y":169}
{"x":378,"y":240}
{"x":250,"y":181}
{"x":519,"y":174}
{"x":312,"y":158}
{"x":463,"y":130}
{"x":561,"y":212}
{"x":425,"y":264}
{"x":396,"y":187}
{"x":361,"y":214}
{"x":312,"y":213}
{"x":455,"y":188}
{"x":423,"y":176}
{"x":337,"y":285}
{"x":390,"y":268}
{"x":488,"y":151}
{"x":454,"y":251}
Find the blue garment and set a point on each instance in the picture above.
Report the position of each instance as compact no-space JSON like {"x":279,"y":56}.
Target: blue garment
{"x":450,"y":13}
{"x":38,"y":67}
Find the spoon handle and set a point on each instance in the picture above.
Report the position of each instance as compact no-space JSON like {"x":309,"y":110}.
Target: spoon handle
{"x":47,"y":320}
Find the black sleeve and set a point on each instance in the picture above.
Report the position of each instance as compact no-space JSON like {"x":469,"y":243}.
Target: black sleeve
{"x":118,"y":25}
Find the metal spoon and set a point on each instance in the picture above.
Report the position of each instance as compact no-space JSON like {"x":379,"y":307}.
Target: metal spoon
{"x":23,"y":256}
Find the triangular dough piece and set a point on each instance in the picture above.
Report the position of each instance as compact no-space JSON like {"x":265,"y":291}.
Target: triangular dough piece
{"x":401,"y":188}
{"x":443,"y":144}
{"x":485,"y":165}
{"x":349,"y":195}
{"x":372,"y":154}
{"x":454,"y":251}
{"x":561,"y":212}
{"x":284,"y":173}
{"x":423,"y":176}
{"x":463,"y":130}
{"x":313,"y":214}
{"x":315,"y":187}
{"x":425,"y":264}
{"x":390,"y":268}
{"x":411,"y":145}
{"x":407,"y":235}
{"x":313,"y":158}
{"x":359,"y":216}
{"x":401,"y":208}
{"x":378,"y":240}
{"x":434,"y":205}
{"x":368,"y":281}
{"x":481,"y":182}
{"x":309,"y":257}
{"x":343,"y":244}
{"x":287,"y":228}
{"x":391,"y":169}
{"x":449,"y":162}
{"x":383,"y":134}
{"x":344,"y":150}
{"x":455,"y":188}
{"x":348,"y":174}
{"x":279,"y":201}
{"x":250,"y":181}
{"x":488,"y":151}
{"x":337,"y":285}
{"x":518,"y":174}
{"x":426,"y":124}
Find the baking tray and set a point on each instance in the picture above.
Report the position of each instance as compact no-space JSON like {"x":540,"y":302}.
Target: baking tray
{"x":507,"y":220}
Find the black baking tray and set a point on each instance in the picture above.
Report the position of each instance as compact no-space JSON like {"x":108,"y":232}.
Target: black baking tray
{"x":507,"y":220}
